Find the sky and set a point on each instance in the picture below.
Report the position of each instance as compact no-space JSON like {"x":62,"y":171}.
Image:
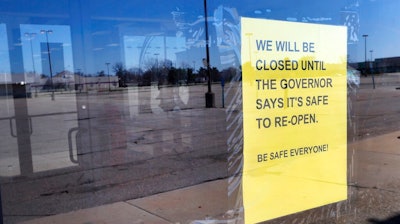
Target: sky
{"x":137,"y":33}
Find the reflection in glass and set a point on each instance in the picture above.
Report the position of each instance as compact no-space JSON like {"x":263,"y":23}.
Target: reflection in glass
{"x":128,"y":119}
{"x":52,"y":45}
{"x":5,"y":70}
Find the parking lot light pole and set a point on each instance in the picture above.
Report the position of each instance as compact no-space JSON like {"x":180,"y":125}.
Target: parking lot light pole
{"x":365,"y":53}
{"x":210,"y":99}
{"x":108,"y":74}
{"x":366,"y":63}
{"x":48,"y":54}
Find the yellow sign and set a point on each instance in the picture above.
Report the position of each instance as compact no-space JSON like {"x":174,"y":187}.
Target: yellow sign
{"x":294,"y":117}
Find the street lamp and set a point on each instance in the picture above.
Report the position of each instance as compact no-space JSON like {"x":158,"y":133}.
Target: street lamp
{"x":371,"y":53}
{"x":210,"y":101}
{"x":79,"y":79}
{"x":372,"y":74}
{"x":156,"y":54}
{"x":48,"y":53}
{"x":30,"y":37}
{"x":108,"y":74}
{"x":365,"y":52}
{"x":157,"y":75}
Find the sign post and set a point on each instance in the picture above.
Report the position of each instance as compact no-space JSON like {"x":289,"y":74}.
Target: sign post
{"x":294,"y":117}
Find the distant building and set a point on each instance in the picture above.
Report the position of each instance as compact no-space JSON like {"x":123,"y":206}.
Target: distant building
{"x":387,"y":65}
{"x":379,"y":65}
{"x":67,"y":80}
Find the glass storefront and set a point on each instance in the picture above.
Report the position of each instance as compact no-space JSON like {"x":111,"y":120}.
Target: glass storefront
{"x":107,"y":101}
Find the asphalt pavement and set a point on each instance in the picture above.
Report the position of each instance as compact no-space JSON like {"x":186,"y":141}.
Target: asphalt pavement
{"x":158,"y":156}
